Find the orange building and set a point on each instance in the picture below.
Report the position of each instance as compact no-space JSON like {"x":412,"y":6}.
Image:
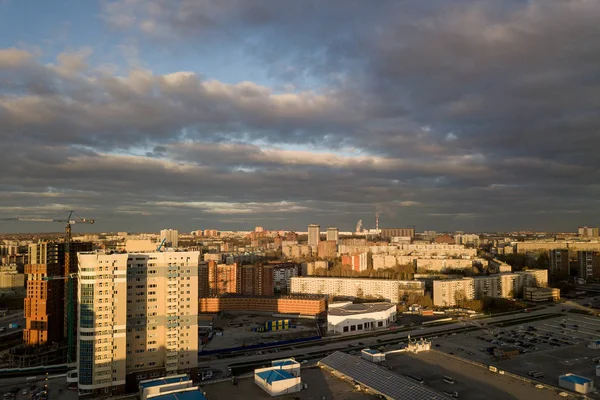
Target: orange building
{"x":256,"y":280}
{"x":44,"y":306}
{"x":303,"y":305}
{"x":327,"y":249}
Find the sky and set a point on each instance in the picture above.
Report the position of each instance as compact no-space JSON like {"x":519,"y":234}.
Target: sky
{"x":192,"y":114}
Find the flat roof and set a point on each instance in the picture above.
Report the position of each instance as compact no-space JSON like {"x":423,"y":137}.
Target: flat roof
{"x":379,"y":379}
{"x":184,"y":395}
{"x":371,"y":351}
{"x":361,"y":308}
{"x":164,"y":381}
{"x":281,"y":363}
{"x":274,"y":375}
{"x":575,"y":379}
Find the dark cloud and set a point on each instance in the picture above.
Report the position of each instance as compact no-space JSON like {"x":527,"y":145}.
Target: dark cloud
{"x":452,"y":115}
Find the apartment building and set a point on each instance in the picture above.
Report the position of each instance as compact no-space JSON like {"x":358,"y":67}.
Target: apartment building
{"x":327,"y":249}
{"x":388,"y":233}
{"x":138,"y":318}
{"x":356,"y":262}
{"x":170,"y":237}
{"x":11,"y":279}
{"x":297,"y":304}
{"x":282,"y":272}
{"x":559,"y":263}
{"x":589,"y":264}
{"x":447,"y":292}
{"x":314,"y":235}
{"x":256,"y":280}
{"x":444,"y":264}
{"x":222,"y":278}
{"x":333,"y":234}
{"x":389,"y":290}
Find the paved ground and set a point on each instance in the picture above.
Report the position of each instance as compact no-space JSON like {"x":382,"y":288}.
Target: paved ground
{"x":471,"y":382}
{"x":54,"y":385}
{"x":321,"y":385}
{"x":237,"y":331}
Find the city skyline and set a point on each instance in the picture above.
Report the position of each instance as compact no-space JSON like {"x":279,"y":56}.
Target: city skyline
{"x":472,"y":116}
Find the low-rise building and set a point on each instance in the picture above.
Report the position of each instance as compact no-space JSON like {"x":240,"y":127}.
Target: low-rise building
{"x":372,"y":355}
{"x":537,"y":294}
{"x":301,"y":305}
{"x":384,"y":289}
{"x":282,"y":377}
{"x":360,"y":317}
{"x":152,"y":387}
{"x":576,"y":383}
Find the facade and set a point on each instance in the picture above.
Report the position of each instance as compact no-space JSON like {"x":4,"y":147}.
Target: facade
{"x":537,"y":294}
{"x":314,"y":233}
{"x":559,"y":263}
{"x":446,"y":293}
{"x":277,"y":381}
{"x":333,"y":234}
{"x":256,"y":280}
{"x":586,"y":231}
{"x":222,"y":278}
{"x":360,"y":317}
{"x":309,"y":268}
{"x":443,"y":264}
{"x":11,"y":279}
{"x":301,"y":305}
{"x":170,"y":236}
{"x":388,"y":233}
{"x":282,"y":272}
{"x":43,"y":305}
{"x":445,"y":238}
{"x":327,"y":249}
{"x":449,"y":292}
{"x":138,"y":318}
{"x":589,"y":264}
{"x":388,"y":290}
{"x":356,"y":262}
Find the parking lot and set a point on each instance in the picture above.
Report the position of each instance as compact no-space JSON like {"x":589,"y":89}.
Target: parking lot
{"x":470,"y":381}
{"x":57,"y":388}
{"x":548,"y":348}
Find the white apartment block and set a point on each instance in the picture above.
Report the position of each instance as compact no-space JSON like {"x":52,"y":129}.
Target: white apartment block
{"x":445,"y":291}
{"x":504,"y":285}
{"x":390,"y":290}
{"x":170,"y":236}
{"x":138,"y":318}
{"x":443,"y":264}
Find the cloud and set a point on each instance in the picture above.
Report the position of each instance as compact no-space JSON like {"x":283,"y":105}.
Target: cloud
{"x":469,"y":115}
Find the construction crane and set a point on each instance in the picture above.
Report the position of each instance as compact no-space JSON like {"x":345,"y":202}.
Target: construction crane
{"x":161,"y":244}
{"x":70,"y":277}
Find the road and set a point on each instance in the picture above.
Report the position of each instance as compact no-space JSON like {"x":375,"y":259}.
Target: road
{"x":345,"y":342}
{"x":10,"y":319}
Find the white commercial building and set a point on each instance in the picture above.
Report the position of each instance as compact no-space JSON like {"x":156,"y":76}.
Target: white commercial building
{"x":282,"y":377}
{"x":138,"y":317}
{"x":576,"y":383}
{"x":360,"y":317}
{"x":385,"y":289}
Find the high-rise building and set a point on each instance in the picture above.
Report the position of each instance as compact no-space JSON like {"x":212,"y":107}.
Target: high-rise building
{"x":47,"y":317}
{"x":314,"y":233}
{"x":222,"y":278}
{"x":559,"y":263}
{"x":170,"y":236}
{"x":586,"y":231}
{"x":333,"y":234}
{"x":589,"y":264}
{"x":138,"y":318}
{"x":256,"y":280}
{"x":327,"y":249}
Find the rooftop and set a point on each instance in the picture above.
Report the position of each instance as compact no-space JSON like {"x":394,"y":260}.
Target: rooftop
{"x":183,"y":395}
{"x":580,"y":380}
{"x":282,"y":363}
{"x":371,"y":351}
{"x":274,"y":375}
{"x":377,"y":378}
{"x":362,"y":308}
{"x":164,"y":381}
